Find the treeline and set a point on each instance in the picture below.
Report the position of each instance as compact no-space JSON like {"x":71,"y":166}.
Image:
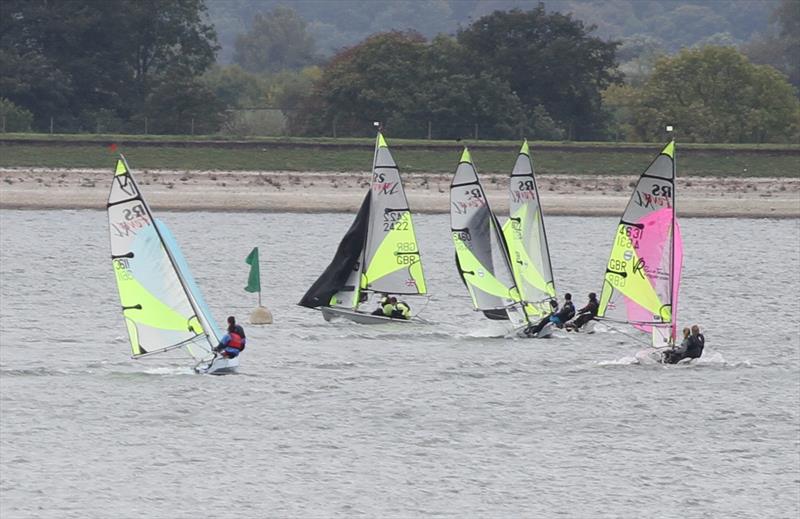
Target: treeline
{"x":147,"y":66}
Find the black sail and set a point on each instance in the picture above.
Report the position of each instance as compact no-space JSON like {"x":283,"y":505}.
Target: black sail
{"x":348,"y":259}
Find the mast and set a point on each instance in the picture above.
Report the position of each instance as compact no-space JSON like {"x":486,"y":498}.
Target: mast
{"x":357,"y":299}
{"x":199,"y":314}
{"x":672,"y":302}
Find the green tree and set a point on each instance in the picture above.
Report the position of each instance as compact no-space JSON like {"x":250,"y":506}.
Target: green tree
{"x":74,"y":59}
{"x":235,"y":87}
{"x":277,"y":40}
{"x":549,"y":60}
{"x":715,"y":94}
{"x":180,"y":106}
{"x":14,"y":118}
{"x":379,"y":79}
{"x":780,"y":47}
{"x":403,"y":81}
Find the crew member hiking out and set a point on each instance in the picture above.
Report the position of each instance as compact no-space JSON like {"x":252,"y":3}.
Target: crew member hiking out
{"x":534,"y":329}
{"x":585,"y":314}
{"x":566,"y":313}
{"x":233,"y":342}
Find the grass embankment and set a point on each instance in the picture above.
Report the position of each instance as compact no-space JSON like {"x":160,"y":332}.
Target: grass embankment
{"x":294,"y":154}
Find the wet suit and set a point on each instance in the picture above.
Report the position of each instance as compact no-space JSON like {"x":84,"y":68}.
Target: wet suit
{"x":386,"y":309}
{"x":401,"y":311}
{"x":585,"y":314}
{"x":566,"y":313}
{"x":691,"y":348}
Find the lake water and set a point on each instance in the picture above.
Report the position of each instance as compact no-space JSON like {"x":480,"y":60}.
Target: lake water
{"x":404,"y":421}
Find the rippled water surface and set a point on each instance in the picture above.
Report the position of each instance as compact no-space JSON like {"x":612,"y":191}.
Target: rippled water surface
{"x":402,"y":421}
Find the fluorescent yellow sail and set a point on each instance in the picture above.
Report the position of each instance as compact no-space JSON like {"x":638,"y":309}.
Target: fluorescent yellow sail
{"x":626,"y":274}
{"x":523,"y":266}
{"x":477,"y":276}
{"x":398,"y":251}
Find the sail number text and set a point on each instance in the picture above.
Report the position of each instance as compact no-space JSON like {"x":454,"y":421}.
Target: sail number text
{"x":393,"y":221}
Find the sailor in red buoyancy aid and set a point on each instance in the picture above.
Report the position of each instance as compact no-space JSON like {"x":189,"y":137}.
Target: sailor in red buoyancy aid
{"x":233,"y":342}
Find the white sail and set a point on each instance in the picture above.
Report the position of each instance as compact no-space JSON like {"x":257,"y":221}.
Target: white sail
{"x":527,"y":242}
{"x":161,"y":304}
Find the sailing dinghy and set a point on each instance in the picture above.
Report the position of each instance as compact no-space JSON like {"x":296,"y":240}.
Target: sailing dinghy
{"x":506,"y":269}
{"x":642,"y":278}
{"x":525,"y":236}
{"x":161,"y":303}
{"x":481,"y":256}
{"x":378,"y":254}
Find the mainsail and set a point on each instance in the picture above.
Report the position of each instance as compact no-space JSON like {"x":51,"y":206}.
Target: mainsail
{"x":161,"y":304}
{"x":527,"y":243}
{"x":643,"y":272}
{"x":379,"y":253}
{"x":481,"y":252}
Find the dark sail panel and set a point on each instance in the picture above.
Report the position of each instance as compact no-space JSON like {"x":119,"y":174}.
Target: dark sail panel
{"x":347,"y":259}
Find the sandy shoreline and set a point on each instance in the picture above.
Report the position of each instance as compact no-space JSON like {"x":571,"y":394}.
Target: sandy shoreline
{"x":280,"y":191}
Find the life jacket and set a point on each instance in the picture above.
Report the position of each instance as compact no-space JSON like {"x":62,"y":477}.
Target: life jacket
{"x":235,"y":341}
{"x":388,"y":308}
{"x":404,"y":309}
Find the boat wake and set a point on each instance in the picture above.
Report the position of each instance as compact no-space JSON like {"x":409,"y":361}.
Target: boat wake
{"x":652,"y":358}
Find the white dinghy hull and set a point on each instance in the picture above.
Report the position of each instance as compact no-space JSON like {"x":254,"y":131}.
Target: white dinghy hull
{"x":218,"y":366}
{"x":544,"y":333}
{"x":331,"y":313}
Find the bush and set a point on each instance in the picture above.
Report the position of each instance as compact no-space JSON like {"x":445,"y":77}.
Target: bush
{"x":16,"y":118}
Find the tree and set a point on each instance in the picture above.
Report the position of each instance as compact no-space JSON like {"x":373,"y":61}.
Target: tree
{"x":379,"y":79}
{"x":235,"y":87}
{"x":277,"y":41}
{"x":405,"y":82}
{"x":72,"y":59}
{"x":548,"y":60}
{"x":14,"y":118}
{"x":715,"y":94}
{"x":780,"y":47}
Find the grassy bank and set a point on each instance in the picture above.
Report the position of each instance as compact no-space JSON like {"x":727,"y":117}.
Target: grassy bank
{"x":203,"y":153}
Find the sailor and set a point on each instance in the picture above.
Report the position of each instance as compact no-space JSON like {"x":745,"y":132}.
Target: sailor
{"x":691,"y":347}
{"x":534,"y":329}
{"x":233,"y":342}
{"x":697,"y":341}
{"x":585,"y":314}
{"x":402,"y":311}
{"x":673,"y":355}
{"x":386,"y":307}
{"x":566,"y":313}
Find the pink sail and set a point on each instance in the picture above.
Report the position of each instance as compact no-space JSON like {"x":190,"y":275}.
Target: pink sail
{"x":662,"y":262}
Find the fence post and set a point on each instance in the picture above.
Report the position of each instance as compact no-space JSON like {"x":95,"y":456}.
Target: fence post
{"x":4,"y":124}
{"x":429,"y":130}
{"x":51,"y":125}
{"x":192,"y":125}
{"x":476,"y":131}
{"x":145,"y":125}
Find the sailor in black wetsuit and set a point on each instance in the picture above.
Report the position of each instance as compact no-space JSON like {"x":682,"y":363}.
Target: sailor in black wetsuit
{"x":673,"y":355}
{"x":566,"y":313}
{"x":694,"y":347}
{"x":585,"y":314}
